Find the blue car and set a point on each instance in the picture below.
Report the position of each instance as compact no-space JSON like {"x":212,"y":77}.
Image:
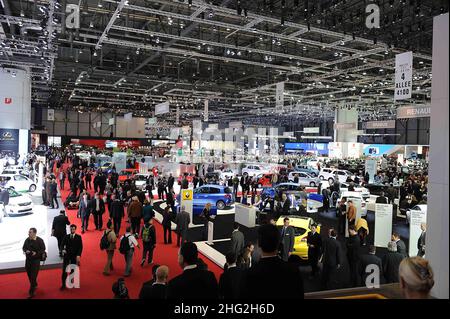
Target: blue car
{"x":218,"y":196}
{"x":287,"y":188}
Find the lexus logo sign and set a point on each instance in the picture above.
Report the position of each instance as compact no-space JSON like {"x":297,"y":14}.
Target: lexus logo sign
{"x":8,"y":100}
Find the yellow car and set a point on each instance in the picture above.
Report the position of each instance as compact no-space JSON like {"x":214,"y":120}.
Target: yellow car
{"x":302,"y":225}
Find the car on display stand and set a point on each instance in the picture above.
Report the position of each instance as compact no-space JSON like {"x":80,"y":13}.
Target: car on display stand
{"x":16,"y":171}
{"x":18,"y":204}
{"x":264,"y":180}
{"x":286,"y":188}
{"x":106,"y":167}
{"x":127,"y":173}
{"x":254,"y":170}
{"x":226,"y":173}
{"x":356,"y":195}
{"x":330,"y":175}
{"x":17,"y":182}
{"x":417,"y":208}
{"x":140,"y":180}
{"x":302,"y":226}
{"x":304,"y":179}
{"x":218,"y":196}
{"x":308,"y":170}
{"x":84,"y":155}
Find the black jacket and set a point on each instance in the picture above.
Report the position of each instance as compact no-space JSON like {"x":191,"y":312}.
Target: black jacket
{"x":193,"y":284}
{"x":366,"y":260}
{"x":59,"y":225}
{"x":38,"y":246}
{"x":117,"y":209}
{"x":92,"y":206}
{"x":73,"y":247}
{"x":53,"y":188}
{"x":170,"y":182}
{"x":258,"y":284}
{"x":229,"y":283}
{"x":391,"y":262}
{"x":167,"y":219}
{"x":151,"y":290}
{"x":353,"y":249}
{"x":401,"y":248}
{"x":315,"y":240}
{"x":331,"y":253}
{"x":381,"y":200}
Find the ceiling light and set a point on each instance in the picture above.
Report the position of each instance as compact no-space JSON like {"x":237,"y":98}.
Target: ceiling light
{"x":95,"y":53}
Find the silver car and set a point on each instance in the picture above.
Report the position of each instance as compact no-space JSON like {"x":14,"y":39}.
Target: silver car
{"x":304,"y":179}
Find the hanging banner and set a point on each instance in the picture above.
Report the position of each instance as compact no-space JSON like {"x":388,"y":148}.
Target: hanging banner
{"x":379,"y":124}
{"x":417,"y":217}
{"x":205,"y":113}
{"x":9,"y":142}
{"x":383,"y":224}
{"x":403,"y":76}
{"x":409,"y":112}
{"x":315,"y":130}
{"x":111,"y":121}
{"x":177,"y":120}
{"x":162,"y":108}
{"x":371,"y":169}
{"x":50,"y":114}
{"x":279,"y":97}
{"x":345,"y":126}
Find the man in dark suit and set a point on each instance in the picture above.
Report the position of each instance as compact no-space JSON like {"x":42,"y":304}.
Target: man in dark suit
{"x":193,"y":283}
{"x":237,"y":240}
{"x":353,"y":251}
{"x":170,"y":183}
{"x":59,"y":228}
{"x":287,"y":238}
{"x":230,"y":280}
{"x":54,"y":193}
{"x":71,"y":247}
{"x":116,"y":213}
{"x":314,"y":242}
{"x":182,"y":220}
{"x":97,"y":208}
{"x":156,"y":289}
{"x":257,"y":283}
{"x":369,"y":259}
{"x":381,"y":199}
{"x":401,"y":247}
{"x":421,"y":241}
{"x":286,"y":205}
{"x":331,"y":258}
{"x":391,"y":261}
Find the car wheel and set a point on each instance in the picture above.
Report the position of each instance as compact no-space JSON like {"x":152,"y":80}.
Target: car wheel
{"x":321,"y":177}
{"x":330,"y":180}
{"x":32,"y":188}
{"x":312,"y":184}
{"x":220,"y":205}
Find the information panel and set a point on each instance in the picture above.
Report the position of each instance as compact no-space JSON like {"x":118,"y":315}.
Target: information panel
{"x":383,"y":224}
{"x":417,"y":217}
{"x":403,"y":76}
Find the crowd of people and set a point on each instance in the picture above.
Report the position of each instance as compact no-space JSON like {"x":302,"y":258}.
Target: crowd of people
{"x":247,"y":263}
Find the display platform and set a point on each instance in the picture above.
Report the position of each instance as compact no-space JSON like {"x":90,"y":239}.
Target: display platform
{"x":14,"y":231}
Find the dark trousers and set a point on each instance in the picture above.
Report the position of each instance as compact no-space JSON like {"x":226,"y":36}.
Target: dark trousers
{"x":59,"y":238}
{"x":32,"y":267}
{"x":67,"y":261}
{"x":181,"y":237}
{"x":98,"y":220}
{"x":353,"y":265}
{"x":85,"y":221}
{"x":148,"y":251}
{"x":135,"y":225}
{"x":117,"y":222}
{"x":95,"y":187}
{"x":341,"y":225}
{"x":88,"y":184}
{"x":313,"y":258}
{"x":54,"y":199}
{"x":61,"y":184}
{"x":327,"y":273}
{"x":167,"y":230}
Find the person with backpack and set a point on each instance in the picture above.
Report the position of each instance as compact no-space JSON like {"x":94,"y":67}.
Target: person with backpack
{"x":148,"y":235}
{"x":108,"y":243}
{"x":127,"y":244}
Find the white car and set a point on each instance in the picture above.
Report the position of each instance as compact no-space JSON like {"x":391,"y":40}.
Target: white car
{"x":254,"y":170}
{"x":419,"y":208}
{"x":356,"y":195}
{"x":84,"y":155}
{"x":14,"y":170}
{"x":18,"y":204}
{"x":226,"y":173}
{"x":17,"y":182}
{"x":329,"y":174}
{"x":141,"y":180}
{"x":304,"y":179}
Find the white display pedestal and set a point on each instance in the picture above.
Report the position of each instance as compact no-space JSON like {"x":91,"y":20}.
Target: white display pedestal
{"x":245,"y":215}
{"x":383,"y":224}
{"x":210,"y":233}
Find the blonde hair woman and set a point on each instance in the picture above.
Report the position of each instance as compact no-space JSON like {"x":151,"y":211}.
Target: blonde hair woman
{"x":416,"y":278}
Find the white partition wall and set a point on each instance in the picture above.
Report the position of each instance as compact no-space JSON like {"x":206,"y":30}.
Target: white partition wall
{"x":437,"y":218}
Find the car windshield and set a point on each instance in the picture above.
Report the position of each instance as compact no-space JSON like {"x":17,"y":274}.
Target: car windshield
{"x":13,"y":193}
{"x":227,"y":190}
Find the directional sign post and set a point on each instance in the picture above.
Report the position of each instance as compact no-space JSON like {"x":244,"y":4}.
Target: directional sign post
{"x":187,"y":199}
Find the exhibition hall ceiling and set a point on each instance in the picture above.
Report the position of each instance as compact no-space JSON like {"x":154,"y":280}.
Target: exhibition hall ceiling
{"x":130,"y":55}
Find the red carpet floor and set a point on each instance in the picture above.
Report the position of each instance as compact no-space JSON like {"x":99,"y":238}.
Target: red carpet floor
{"x":93,"y":284}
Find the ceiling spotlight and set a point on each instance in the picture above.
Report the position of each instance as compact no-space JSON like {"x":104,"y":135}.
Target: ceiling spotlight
{"x":22,"y":14}
{"x":91,"y":24}
{"x":95,"y":53}
{"x":99,"y":4}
